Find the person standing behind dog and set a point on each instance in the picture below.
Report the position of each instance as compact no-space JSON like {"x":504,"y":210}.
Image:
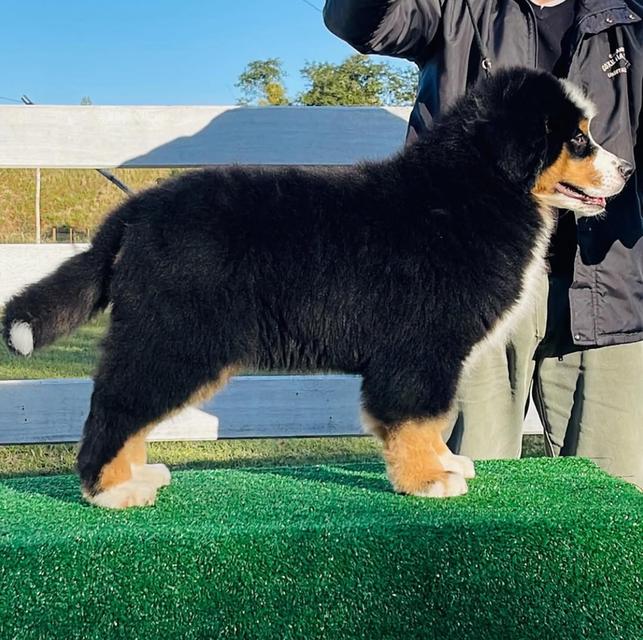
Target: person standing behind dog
{"x":581,"y":352}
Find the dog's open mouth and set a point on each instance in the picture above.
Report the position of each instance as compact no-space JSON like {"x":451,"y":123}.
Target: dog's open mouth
{"x":574,"y":192}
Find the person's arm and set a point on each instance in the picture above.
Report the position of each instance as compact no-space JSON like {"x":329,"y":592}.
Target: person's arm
{"x":401,"y":28}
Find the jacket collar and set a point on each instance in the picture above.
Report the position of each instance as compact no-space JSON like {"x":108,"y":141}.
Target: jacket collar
{"x":595,"y":16}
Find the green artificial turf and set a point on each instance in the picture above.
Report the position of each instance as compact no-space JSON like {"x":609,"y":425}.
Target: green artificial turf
{"x":539,"y":548}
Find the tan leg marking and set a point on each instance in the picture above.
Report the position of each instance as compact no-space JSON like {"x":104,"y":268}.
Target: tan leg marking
{"x":418,"y":462}
{"x":119,"y":469}
{"x":208,"y":390}
{"x":126,"y":480}
{"x":134,"y":450}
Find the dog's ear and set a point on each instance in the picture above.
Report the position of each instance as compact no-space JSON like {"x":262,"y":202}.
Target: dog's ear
{"x":521,"y":150}
{"x":516,"y":147}
{"x":515,"y":128}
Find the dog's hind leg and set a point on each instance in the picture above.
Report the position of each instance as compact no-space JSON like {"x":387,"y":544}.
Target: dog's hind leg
{"x":112,"y":465}
{"x":112,"y":461}
{"x":130,"y":397}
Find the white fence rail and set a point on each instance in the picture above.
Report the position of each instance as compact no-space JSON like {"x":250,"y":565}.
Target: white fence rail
{"x":101,"y":137}
{"x":92,"y":136}
{"x":249,"y":407}
{"x":22,"y":264}
{"x":33,"y":411}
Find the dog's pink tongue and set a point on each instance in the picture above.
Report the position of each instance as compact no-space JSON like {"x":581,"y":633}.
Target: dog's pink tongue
{"x":583,"y":197}
{"x":595,"y":200}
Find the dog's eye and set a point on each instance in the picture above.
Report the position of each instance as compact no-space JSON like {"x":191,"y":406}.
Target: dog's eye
{"x":579,"y":144}
{"x":580,"y":140}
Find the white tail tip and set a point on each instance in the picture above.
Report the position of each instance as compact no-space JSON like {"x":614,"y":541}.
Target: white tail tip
{"x":21,"y":338}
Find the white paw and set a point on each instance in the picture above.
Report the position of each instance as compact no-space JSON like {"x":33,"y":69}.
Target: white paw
{"x":458,"y":464}
{"x":132,"y":493}
{"x":153,"y":474}
{"x":453,"y":485}
{"x":467,"y":468}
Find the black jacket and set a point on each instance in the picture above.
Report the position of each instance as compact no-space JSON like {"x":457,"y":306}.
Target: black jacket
{"x":606,"y":291}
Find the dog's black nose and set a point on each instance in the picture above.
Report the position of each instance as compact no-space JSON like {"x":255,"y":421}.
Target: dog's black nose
{"x":625,"y":168}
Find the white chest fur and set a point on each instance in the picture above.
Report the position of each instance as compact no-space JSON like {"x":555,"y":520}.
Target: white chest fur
{"x":532,"y":276}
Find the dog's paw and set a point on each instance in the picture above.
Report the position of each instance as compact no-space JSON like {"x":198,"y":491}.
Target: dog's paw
{"x":467,"y":466}
{"x":139,"y":491}
{"x":132,"y":493}
{"x":153,"y":474}
{"x":449,"y":485}
{"x":458,"y":464}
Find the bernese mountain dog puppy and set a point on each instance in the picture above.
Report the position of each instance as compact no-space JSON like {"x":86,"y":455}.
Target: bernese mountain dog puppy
{"x":401,"y":271}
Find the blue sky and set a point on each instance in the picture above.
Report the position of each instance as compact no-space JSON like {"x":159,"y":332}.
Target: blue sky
{"x":161,"y":52}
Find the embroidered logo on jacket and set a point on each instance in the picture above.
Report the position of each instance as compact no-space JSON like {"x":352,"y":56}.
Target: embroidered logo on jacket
{"x":616,"y":63}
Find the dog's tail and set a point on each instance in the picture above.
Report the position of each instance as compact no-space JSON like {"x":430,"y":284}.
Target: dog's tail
{"x":65,"y":299}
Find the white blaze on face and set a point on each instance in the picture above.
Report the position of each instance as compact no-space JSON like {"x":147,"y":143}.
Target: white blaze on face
{"x":607,"y":166}
{"x":587,"y":197}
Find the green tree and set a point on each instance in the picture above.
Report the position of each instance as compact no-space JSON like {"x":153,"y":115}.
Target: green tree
{"x":401,"y":86}
{"x":85,"y":100}
{"x":358,"y":80}
{"x":262,"y":82}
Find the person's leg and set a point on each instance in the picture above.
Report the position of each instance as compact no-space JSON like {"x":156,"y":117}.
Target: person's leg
{"x":591,"y":403}
{"x":492,"y":396}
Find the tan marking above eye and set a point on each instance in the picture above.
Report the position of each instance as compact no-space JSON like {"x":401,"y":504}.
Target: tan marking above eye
{"x":583,"y":125}
{"x":578,"y":172}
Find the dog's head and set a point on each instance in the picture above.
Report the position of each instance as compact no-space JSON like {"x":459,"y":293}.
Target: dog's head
{"x":537,"y":130}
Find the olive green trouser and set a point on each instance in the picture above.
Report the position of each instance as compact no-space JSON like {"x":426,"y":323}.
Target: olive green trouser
{"x":590,"y":402}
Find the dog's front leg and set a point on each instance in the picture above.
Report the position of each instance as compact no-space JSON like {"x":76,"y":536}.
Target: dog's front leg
{"x":419,"y":463}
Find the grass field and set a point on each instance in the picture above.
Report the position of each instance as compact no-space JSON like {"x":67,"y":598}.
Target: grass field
{"x":71,"y":357}
{"x":78,"y":198}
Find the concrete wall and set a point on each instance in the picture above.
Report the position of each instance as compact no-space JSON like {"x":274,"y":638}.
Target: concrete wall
{"x":22,"y":264}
